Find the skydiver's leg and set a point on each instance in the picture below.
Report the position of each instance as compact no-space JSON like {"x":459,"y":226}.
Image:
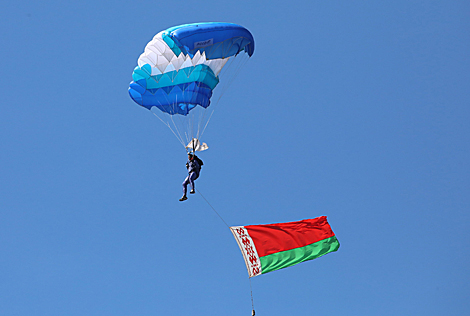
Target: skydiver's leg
{"x":185,"y":184}
{"x":192,"y":177}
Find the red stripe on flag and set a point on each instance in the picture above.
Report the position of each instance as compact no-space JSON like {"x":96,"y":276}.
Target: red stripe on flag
{"x":272,"y":238}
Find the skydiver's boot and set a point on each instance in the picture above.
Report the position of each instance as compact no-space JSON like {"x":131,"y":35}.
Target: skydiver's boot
{"x":184,"y":198}
{"x":192,"y":191}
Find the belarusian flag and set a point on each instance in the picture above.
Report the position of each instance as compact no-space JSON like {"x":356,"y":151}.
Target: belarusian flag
{"x":266,"y":248}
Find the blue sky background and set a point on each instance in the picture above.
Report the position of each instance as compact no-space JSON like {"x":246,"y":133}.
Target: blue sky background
{"x":355,"y":110}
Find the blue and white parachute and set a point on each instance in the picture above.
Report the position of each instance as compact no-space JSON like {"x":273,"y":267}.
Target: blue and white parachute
{"x":180,"y":68}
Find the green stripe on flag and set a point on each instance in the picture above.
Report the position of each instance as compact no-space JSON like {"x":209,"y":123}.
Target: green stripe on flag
{"x":284,"y":259}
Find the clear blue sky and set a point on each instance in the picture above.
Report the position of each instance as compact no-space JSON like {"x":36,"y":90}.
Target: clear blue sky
{"x":354,"y":110}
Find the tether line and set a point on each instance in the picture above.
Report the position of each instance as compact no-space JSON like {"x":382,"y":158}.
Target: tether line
{"x":212,"y":208}
{"x":251,"y":290}
{"x":252,"y":305}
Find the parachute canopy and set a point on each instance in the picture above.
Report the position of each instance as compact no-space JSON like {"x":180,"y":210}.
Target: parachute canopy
{"x":180,"y":66}
{"x":271,"y":247}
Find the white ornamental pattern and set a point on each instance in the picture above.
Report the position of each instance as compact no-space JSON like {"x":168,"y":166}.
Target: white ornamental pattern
{"x":248,"y":250}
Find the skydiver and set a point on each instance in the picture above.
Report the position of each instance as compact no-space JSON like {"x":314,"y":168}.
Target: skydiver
{"x":193,"y":165}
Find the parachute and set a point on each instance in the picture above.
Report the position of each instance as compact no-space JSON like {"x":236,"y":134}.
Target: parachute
{"x":179,"y":70}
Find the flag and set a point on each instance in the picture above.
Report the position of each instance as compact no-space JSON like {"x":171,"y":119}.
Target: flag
{"x":271,"y":247}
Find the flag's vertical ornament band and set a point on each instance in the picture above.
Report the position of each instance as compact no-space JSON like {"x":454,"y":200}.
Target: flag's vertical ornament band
{"x":248,"y":249}
{"x":271,"y":247}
